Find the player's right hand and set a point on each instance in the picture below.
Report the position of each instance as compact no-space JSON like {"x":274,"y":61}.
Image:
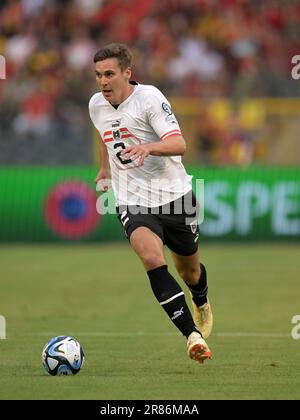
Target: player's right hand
{"x":103,"y":180}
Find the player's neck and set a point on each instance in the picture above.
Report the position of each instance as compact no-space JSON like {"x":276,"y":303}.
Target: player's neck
{"x":125,"y":94}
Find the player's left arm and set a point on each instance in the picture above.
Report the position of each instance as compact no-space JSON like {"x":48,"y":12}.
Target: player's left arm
{"x":174,"y":145}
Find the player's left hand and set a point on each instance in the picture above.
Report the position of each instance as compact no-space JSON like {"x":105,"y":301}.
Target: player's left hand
{"x":136,"y":153}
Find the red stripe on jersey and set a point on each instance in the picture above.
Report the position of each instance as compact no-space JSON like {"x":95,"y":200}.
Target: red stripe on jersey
{"x":123,"y":129}
{"x":125,"y":136}
{"x":108,"y":139}
{"x":107,"y":133}
{"x":171,"y":133}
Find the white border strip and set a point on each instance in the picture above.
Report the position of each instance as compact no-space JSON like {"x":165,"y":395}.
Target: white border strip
{"x":150,"y":333}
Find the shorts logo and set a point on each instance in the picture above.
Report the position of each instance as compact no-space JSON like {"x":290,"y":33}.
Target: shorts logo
{"x":193,"y":226}
{"x":167,"y":108}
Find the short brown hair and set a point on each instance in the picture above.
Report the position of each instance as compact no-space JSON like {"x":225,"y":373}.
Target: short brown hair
{"x":115,"y":50}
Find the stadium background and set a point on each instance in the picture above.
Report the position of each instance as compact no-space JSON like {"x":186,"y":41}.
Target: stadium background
{"x":226,"y":68}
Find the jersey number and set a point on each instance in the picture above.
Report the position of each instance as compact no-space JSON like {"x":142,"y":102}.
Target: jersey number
{"x":118,"y":154}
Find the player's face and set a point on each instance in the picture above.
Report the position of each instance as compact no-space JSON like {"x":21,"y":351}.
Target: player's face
{"x":112,"y":81}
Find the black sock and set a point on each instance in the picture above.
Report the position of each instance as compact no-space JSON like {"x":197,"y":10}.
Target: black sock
{"x":171,"y":297}
{"x":199,"y":291}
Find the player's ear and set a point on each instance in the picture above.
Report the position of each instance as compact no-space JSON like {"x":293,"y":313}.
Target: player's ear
{"x":127,"y":73}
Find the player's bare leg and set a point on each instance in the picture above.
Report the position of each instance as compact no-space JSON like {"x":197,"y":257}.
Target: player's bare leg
{"x":149,"y":247}
{"x":194,"y":275}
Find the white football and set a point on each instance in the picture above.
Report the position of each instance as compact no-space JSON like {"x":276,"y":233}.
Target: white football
{"x":62,"y":355}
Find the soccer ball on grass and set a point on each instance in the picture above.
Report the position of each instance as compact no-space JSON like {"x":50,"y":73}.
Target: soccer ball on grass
{"x":63,"y":355}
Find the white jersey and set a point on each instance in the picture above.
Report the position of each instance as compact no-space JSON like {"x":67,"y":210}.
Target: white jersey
{"x":144,"y":117}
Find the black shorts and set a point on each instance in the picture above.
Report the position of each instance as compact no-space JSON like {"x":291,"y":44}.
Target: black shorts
{"x":175,"y":223}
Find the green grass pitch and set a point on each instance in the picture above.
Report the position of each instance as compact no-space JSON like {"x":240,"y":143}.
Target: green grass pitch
{"x":101,"y":295}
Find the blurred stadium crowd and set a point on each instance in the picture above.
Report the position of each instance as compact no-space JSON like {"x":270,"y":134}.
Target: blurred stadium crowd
{"x":188,"y":48}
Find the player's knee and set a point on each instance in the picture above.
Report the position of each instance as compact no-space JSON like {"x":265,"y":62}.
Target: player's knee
{"x":190,"y":275}
{"x":152,"y":260}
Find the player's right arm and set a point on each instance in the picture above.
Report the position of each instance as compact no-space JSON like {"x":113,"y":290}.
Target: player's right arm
{"x":103,"y":177}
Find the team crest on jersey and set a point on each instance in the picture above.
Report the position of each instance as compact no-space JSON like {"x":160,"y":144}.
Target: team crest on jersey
{"x":116,"y":135}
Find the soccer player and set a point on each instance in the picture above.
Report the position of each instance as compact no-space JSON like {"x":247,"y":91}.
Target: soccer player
{"x":141,"y":147}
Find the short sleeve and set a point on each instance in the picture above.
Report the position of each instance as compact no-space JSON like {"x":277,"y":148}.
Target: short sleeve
{"x":161,"y":116}
{"x":92,"y":110}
